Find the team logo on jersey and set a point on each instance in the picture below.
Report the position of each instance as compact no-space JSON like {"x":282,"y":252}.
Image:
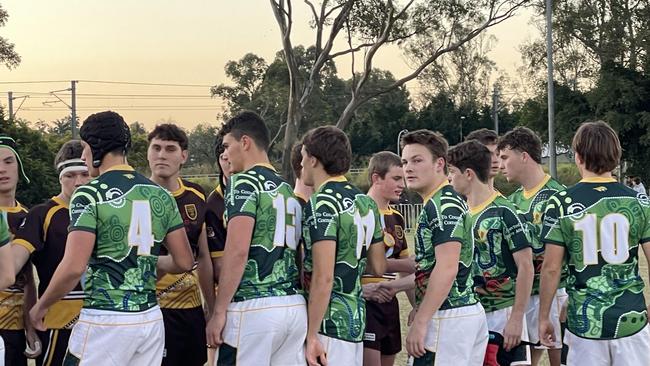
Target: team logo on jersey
{"x":399,"y":232}
{"x":600,"y":189}
{"x":190,"y":210}
{"x":270,"y":185}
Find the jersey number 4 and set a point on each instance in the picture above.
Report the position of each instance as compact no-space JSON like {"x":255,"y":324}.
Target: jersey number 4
{"x":611,"y":237}
{"x":140,"y":233}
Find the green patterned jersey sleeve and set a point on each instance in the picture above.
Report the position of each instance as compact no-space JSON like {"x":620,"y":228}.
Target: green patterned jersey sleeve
{"x":325,"y":224}
{"x":175,"y":219}
{"x":515,"y":232}
{"x":242,"y":197}
{"x":551,"y":230}
{"x":83,"y":211}
{"x":5,"y":235}
{"x":448,"y":225}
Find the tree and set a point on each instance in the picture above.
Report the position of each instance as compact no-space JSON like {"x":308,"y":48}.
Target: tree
{"x":424,"y":30}
{"x":8,"y":56}
{"x":201,"y":147}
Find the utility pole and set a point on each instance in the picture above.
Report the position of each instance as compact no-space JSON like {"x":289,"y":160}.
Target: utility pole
{"x":73,"y":108}
{"x":10,"y":104}
{"x":495,"y":108}
{"x":551,"y":89}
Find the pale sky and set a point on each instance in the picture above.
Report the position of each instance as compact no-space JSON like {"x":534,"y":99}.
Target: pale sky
{"x":161,"y":41}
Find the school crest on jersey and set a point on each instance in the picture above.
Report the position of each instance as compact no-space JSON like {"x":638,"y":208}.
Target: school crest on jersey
{"x":399,"y":232}
{"x":190,"y":211}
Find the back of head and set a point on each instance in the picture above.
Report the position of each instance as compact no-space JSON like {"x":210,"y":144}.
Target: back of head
{"x":170,"y":132}
{"x":250,"y":124}
{"x":433,"y":141}
{"x":331,"y":147}
{"x":105,"y":132}
{"x":296,"y":159}
{"x":471,"y":155}
{"x":484,"y":136}
{"x":598,"y":147}
{"x":381,"y":162}
{"x":523,"y":139}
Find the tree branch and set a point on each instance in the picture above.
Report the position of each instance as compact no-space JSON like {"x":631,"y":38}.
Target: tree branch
{"x":275,"y":138}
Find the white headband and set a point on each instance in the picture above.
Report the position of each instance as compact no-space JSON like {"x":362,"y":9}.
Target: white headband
{"x":72,"y":165}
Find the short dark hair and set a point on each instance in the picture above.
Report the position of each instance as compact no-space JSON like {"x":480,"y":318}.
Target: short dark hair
{"x":472,"y":155}
{"x":296,"y":159}
{"x":169,"y":132}
{"x":331,"y":147}
{"x":484,"y":136}
{"x":598,"y":147}
{"x":381,"y":162}
{"x":250,"y":124}
{"x":523,"y":139}
{"x":637,"y":180}
{"x":433,"y":141}
{"x":70,"y":150}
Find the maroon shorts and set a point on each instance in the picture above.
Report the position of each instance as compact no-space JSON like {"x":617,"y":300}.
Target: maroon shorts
{"x":383,"y":331}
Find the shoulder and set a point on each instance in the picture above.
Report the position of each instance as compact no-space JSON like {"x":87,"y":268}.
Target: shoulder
{"x":194,"y":188}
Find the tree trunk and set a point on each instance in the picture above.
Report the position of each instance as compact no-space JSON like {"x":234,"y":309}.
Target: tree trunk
{"x":294,"y":115}
{"x":348,"y":112}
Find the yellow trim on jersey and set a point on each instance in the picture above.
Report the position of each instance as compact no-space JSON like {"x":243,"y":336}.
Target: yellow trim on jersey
{"x":179,"y":291}
{"x":405,"y":253}
{"x":338,"y":178}
{"x":63,"y":314}
{"x":530,"y":193}
{"x":367,"y":280}
{"x":598,"y":180}
{"x":216,"y":254}
{"x":50,"y":214}
{"x":266,"y":165}
{"x":386,"y":211}
{"x":11,"y":310}
{"x":126,"y":167}
{"x":219,"y":191}
{"x":428,"y":197}
{"x":482,"y":206}
{"x":182,"y":188}
{"x":24,"y":243}
{"x":14,"y":209}
{"x":301,"y":196}
{"x":59,"y":201}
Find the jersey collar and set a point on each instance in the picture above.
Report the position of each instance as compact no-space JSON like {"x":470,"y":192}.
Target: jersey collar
{"x":339,"y":178}
{"x":598,"y":180}
{"x":428,"y":197}
{"x":265,"y":165}
{"x":126,"y":167}
{"x":59,"y":201}
{"x":181,"y":188}
{"x":482,"y":206}
{"x":529,"y":193}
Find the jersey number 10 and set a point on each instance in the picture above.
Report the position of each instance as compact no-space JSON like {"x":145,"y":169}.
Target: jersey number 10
{"x":611,"y":237}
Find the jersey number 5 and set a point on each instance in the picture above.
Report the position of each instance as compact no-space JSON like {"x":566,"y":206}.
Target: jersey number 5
{"x":287,"y":233}
{"x":365,"y":230}
{"x":140,"y":233}
{"x":611,"y":239}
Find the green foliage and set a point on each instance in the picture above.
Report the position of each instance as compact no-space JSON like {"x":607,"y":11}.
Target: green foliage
{"x":8,"y":56}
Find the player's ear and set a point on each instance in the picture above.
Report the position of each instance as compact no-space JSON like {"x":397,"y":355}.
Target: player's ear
{"x":184,"y":155}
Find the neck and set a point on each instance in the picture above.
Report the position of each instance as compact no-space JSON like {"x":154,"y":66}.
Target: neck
{"x":302,"y":189}
{"x":531,"y":178}
{"x":320,"y":176}
{"x":490,"y":183}
{"x":587,"y":174}
{"x":382,"y":203}
{"x":253,"y":158}
{"x":478,"y":193}
{"x":8,"y":199}
{"x":170,"y":183}
{"x":110,"y":161}
{"x":435,"y":183}
{"x":63,"y":197}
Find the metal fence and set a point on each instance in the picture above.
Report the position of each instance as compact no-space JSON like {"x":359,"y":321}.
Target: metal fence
{"x":411,"y":212}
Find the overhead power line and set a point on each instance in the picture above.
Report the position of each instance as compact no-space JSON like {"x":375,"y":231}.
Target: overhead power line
{"x":149,"y":84}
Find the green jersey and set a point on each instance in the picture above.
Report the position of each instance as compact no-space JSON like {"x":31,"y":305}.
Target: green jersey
{"x":601,"y":223}
{"x":531,"y":205}
{"x":442,"y":220}
{"x":341,"y":213}
{"x":271,"y":269}
{"x":5,"y":234}
{"x":130,"y":217}
{"x":497,"y":232}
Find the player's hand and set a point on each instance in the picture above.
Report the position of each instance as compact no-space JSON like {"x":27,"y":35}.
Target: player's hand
{"x":385,"y":292}
{"x":546,"y":333}
{"x":214,"y":329}
{"x":512,"y":333}
{"x":314,"y":352}
{"x":368,"y":291}
{"x":36,"y":315}
{"x":33,"y":349}
{"x":415,"y":339}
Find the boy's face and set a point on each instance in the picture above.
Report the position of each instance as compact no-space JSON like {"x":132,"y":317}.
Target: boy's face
{"x":307,"y":164}
{"x":234,"y":153}
{"x":391,"y":186}
{"x":165,"y":157}
{"x":494,"y":154}
{"x":8,"y":170}
{"x":459,"y":180}
{"x":420,"y":167}
{"x":71,"y":180}
{"x":224,"y":164}
{"x":511,"y":164}
{"x":87,"y":157}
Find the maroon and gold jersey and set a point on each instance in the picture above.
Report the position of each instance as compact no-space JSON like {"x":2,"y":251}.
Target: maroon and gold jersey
{"x":395,"y":244}
{"x":181,"y":291}
{"x":12,"y":299}
{"x":44,"y":233}
{"x":215,"y":223}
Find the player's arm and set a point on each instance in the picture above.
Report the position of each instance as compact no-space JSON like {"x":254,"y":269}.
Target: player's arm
{"x":549,"y":279}
{"x":7,"y":272}
{"x":440,"y":281}
{"x":78,"y":249}
{"x":180,"y":258}
{"x":206,"y":277}
{"x":376,"y":259}
{"x":235,"y":256}
{"x":20,"y":256}
{"x":29,"y":301}
{"x":404,"y":265}
{"x":523,"y":286}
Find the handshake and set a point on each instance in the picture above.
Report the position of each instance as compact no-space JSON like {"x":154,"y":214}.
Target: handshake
{"x":380,"y":292}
